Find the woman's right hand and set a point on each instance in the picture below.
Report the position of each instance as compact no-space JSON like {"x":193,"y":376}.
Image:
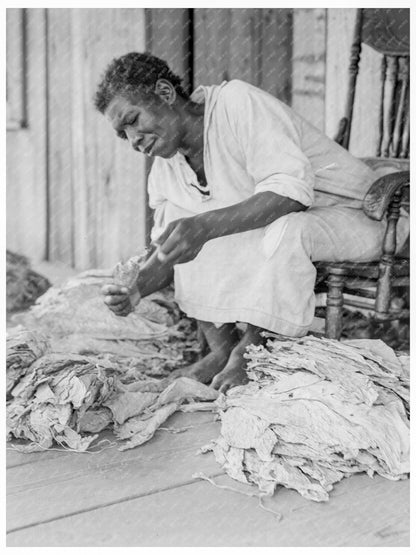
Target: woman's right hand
{"x":118,"y":299}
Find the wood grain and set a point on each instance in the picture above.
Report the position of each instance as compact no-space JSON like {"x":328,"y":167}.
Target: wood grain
{"x":365,"y":130}
{"x":16,"y":50}
{"x":249,"y":44}
{"x":60,"y":156}
{"x":361,"y":512}
{"x":309,"y":64}
{"x":75,"y":193}
{"x":77,"y":482}
{"x":169,"y":36}
{"x":26,"y":170}
{"x":102,"y":185}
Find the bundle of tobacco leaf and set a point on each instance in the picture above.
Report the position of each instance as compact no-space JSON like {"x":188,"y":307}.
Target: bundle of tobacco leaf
{"x":67,"y":399}
{"x":75,"y":319}
{"x":77,"y":307}
{"x":23,"y":348}
{"x":74,"y":368}
{"x":316,"y":411}
{"x":23,"y":285}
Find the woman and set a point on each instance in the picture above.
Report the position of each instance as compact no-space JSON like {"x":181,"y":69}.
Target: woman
{"x":247,"y":194}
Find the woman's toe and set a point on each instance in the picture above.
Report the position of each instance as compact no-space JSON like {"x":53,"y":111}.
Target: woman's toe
{"x":217,"y":381}
{"x":225,"y":387}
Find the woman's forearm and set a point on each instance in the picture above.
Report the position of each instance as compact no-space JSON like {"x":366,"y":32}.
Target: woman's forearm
{"x":153,"y":276}
{"x":258,"y":211}
{"x":183,"y":239}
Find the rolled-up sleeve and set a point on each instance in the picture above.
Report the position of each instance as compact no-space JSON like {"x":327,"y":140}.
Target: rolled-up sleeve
{"x":270,"y":143}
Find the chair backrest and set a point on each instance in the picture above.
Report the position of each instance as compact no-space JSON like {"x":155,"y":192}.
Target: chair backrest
{"x":388,"y":32}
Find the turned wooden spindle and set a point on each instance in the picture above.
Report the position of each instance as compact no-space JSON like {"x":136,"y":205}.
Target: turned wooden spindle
{"x":388,"y":104}
{"x":335,"y":301}
{"x":403,"y":80}
{"x":383,"y":84}
{"x":353,"y":72}
{"x":382,"y":303}
{"x":404,"y":150}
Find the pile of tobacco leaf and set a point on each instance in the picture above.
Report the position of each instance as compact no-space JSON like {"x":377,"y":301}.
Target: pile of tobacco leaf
{"x":74,"y":368}
{"x":316,"y":411}
{"x":67,"y":398}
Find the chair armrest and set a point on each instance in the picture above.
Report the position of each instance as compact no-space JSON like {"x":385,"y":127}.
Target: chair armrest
{"x":382,"y":192}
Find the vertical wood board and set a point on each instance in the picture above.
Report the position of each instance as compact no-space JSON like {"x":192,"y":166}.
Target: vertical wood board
{"x":60,"y":157}
{"x":365,"y":128}
{"x":16,"y":46}
{"x":308,"y":64}
{"x":26,"y":175}
{"x":249,"y":44}
{"x":276,"y":52}
{"x":169,"y":36}
{"x":84,"y":233}
{"x":120,"y":201}
{"x":97,"y":183}
{"x":365,"y":131}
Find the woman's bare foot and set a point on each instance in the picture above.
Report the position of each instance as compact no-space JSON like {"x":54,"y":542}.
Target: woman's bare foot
{"x":205,"y":369}
{"x":234,"y":372}
{"x":221,"y":342}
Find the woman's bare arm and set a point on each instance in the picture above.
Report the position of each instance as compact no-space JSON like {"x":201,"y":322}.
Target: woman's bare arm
{"x":183,"y":239}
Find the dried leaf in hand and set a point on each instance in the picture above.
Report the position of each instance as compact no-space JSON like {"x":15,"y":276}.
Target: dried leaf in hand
{"x":126,"y":274}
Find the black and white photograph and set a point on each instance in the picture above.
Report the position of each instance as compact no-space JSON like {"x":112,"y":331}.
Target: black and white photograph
{"x":207,"y":261}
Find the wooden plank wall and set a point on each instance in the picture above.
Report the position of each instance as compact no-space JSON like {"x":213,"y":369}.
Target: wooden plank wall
{"x":321,"y":56}
{"x":60,"y":89}
{"x":254,"y":45}
{"x":75,"y":193}
{"x":16,"y":100}
{"x":169,"y":36}
{"x":365,"y":129}
{"x":308,"y":64}
{"x":96,"y":182}
{"x":300,"y":55}
{"x":26,"y":148}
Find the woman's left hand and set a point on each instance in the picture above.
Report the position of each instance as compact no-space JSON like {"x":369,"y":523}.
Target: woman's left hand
{"x":181,"y":241}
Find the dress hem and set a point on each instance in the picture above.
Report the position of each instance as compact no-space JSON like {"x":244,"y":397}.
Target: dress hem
{"x":244,"y":315}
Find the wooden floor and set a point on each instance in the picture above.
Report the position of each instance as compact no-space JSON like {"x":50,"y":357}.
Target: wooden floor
{"x":147,"y":497}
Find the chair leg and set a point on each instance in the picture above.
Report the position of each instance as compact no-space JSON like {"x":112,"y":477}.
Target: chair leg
{"x":382,"y":304}
{"x":335,"y":301}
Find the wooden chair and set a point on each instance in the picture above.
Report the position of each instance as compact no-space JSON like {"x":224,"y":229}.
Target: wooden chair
{"x":387,"y":31}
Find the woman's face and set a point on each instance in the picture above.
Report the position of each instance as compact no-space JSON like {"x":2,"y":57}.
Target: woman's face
{"x":152,"y":126}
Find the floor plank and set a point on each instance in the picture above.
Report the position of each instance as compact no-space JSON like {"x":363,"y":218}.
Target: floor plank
{"x":16,"y":458}
{"x":361,"y":512}
{"x":51,"y":488}
{"x":178,"y":420}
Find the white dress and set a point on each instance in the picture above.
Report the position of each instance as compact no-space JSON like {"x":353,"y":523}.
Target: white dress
{"x":265,"y":277}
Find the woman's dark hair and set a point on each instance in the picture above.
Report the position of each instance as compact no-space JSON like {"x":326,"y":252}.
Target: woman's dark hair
{"x":132,"y":73}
